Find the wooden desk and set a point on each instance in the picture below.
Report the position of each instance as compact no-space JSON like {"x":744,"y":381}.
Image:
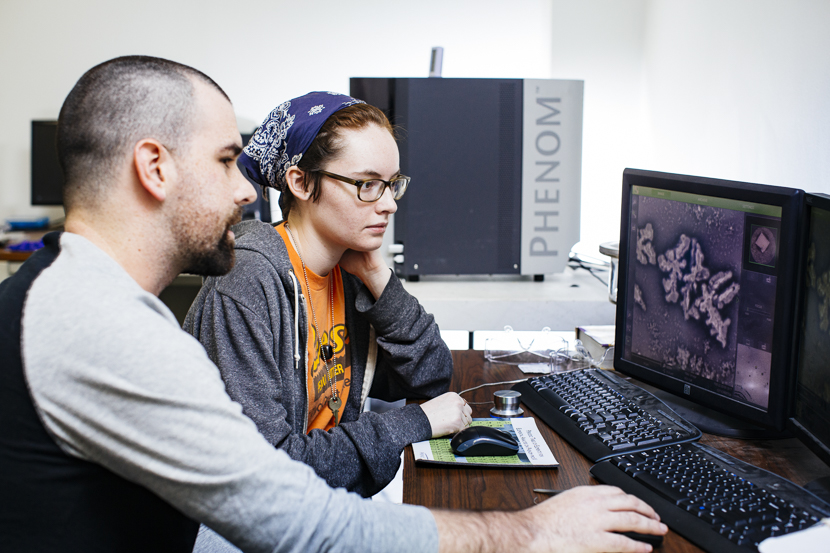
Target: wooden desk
{"x":9,"y":255}
{"x":487,"y":489}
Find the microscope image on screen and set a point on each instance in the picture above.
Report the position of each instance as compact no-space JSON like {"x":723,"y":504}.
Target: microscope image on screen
{"x":688,"y":291}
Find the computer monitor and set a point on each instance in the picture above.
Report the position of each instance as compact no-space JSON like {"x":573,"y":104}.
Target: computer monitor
{"x":811,"y":420}
{"x":707,"y":296}
{"x":259,"y":208}
{"x":47,"y":175}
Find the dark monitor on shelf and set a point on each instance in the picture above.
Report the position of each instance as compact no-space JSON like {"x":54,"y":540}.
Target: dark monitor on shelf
{"x":261,"y":207}
{"x":811,"y":420}
{"x":707,"y":297}
{"x":47,"y":176}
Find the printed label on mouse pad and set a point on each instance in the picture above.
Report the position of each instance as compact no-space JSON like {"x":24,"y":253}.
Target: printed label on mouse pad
{"x":533,"y":450}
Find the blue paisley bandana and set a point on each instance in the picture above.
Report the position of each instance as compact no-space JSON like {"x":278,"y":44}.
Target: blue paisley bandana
{"x":286,"y":134}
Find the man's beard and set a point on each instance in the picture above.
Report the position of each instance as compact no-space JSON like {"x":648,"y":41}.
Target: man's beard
{"x":214,"y":259}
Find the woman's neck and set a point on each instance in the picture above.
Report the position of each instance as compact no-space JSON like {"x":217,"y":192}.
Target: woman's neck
{"x":316,"y":254}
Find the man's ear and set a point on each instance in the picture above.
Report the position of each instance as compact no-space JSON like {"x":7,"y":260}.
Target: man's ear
{"x":154,"y":167}
{"x":296,"y":180}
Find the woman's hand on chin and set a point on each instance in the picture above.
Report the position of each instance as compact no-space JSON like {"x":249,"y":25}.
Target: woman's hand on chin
{"x":369,"y":267}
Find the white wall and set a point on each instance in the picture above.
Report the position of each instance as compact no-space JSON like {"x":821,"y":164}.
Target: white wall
{"x":740,"y":89}
{"x":736,"y":89}
{"x":602,"y":42}
{"x":260,"y":51}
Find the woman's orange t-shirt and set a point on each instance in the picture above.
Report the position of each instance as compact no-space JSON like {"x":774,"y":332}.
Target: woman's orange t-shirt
{"x":333,"y":332}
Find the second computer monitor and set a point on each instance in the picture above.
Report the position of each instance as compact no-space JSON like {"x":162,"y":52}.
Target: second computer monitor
{"x":707,"y":291}
{"x":811,"y":418}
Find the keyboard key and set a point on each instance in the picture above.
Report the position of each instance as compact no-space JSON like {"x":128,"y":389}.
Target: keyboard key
{"x":710,"y":517}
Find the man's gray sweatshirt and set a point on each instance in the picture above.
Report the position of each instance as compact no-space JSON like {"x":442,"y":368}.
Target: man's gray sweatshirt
{"x":115,"y":381}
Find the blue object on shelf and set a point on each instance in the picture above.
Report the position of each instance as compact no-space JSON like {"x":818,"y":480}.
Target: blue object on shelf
{"x":26,"y":246}
{"x":28,"y":224}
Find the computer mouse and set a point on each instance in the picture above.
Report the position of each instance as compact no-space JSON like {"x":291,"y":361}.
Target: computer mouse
{"x":652,"y":539}
{"x":483,"y":441}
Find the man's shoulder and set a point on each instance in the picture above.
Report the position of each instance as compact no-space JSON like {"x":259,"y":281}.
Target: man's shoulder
{"x":86,"y":314}
{"x":84,"y":297}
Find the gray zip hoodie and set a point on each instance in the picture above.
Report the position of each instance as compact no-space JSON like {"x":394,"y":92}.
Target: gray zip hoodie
{"x":253,"y":324}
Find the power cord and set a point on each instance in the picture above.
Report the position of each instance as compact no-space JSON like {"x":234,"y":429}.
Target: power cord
{"x":575,"y":262}
{"x":488,"y":384}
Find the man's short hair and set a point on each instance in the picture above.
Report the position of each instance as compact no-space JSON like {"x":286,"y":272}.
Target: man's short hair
{"x":113,"y":106}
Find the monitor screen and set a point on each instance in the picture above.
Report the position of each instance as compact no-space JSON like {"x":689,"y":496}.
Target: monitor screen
{"x":259,"y":208}
{"x":47,"y":175}
{"x":812,"y":391}
{"x":706,"y":293}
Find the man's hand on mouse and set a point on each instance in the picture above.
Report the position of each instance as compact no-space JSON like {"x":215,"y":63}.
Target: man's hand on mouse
{"x":587,"y":519}
{"x":447,"y":414}
{"x":582,"y":520}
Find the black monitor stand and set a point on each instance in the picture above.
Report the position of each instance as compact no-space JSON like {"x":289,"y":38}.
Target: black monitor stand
{"x":820,"y":487}
{"x":712,"y":422}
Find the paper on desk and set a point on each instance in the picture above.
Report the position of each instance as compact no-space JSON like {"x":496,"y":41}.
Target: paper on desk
{"x":533,"y":445}
{"x":811,"y":540}
{"x":532,"y":442}
{"x":535,"y":368}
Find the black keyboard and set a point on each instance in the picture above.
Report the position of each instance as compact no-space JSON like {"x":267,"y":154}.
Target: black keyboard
{"x":602,"y":415}
{"x":712,"y":499}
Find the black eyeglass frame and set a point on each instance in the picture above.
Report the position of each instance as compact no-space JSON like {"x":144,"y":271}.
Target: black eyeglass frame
{"x":359,"y":184}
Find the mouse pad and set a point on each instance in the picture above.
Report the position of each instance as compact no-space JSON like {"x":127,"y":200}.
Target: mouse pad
{"x":533,"y":450}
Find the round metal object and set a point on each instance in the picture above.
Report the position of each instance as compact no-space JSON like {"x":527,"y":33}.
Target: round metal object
{"x":612,"y":250}
{"x":507,"y":404}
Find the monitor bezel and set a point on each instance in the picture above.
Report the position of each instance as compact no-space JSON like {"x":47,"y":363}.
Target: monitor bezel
{"x":782,"y":376}
{"x":804,"y":434}
{"x":38,"y":182}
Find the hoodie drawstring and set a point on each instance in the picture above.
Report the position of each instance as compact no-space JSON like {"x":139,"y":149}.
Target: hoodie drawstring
{"x":296,"y":321}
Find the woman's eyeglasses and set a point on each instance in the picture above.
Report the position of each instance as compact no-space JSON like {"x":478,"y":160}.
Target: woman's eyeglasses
{"x":371,"y":190}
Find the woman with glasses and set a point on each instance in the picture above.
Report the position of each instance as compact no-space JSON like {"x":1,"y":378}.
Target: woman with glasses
{"x":311,"y":320}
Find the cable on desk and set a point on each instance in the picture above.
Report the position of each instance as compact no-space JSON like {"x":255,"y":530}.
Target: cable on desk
{"x":504,"y":382}
{"x":488,"y":384}
{"x":575,"y":262}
